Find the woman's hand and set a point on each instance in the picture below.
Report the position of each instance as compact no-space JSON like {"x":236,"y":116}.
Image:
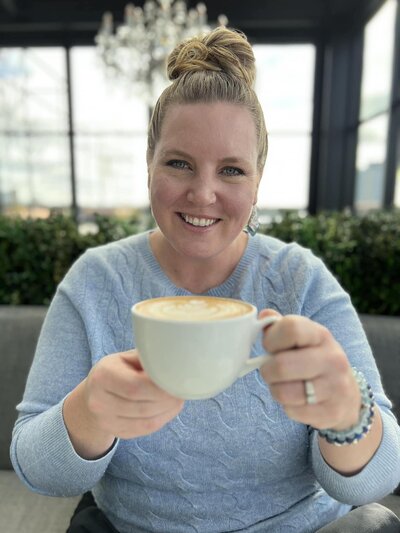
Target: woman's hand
{"x":117,"y":399}
{"x":303,"y":351}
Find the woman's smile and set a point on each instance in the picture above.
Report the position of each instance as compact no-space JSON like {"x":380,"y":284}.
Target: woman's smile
{"x":199,"y":221}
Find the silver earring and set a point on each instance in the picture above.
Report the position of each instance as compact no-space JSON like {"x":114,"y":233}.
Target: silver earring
{"x":253,"y":224}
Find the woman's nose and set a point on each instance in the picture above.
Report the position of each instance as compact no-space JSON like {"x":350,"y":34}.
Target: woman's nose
{"x":202,"y":192}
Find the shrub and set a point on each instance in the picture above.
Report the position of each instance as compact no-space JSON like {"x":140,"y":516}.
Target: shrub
{"x":363,"y":252}
{"x":36,"y":253}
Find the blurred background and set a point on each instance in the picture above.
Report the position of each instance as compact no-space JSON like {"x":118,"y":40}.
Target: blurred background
{"x":73,"y":131}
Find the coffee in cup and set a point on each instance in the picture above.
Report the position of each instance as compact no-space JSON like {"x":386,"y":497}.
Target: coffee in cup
{"x":195,"y":347}
{"x":196,"y":309}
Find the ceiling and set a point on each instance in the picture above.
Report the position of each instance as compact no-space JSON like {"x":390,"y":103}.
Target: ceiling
{"x":78,"y":20}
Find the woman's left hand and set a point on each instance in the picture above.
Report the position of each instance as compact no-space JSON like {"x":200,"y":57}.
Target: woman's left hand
{"x":303,"y":350}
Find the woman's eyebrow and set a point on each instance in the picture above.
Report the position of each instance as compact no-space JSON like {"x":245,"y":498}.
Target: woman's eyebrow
{"x":230,"y":160}
{"x":175,"y":153}
{"x":234,"y":160}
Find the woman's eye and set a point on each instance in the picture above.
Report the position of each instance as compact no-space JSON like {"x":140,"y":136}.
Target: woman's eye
{"x":177,"y":163}
{"x":232,"y":171}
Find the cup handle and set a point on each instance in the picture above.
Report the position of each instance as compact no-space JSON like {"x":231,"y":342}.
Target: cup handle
{"x":257,"y":362}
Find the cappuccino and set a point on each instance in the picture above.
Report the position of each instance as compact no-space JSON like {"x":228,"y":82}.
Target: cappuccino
{"x":194,"y":347}
{"x":193,"y":308}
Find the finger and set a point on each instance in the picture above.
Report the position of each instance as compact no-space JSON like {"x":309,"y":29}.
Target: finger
{"x":143,"y":408}
{"x":316,"y":416}
{"x":140,"y":411}
{"x":128,"y":429}
{"x":269,"y":312}
{"x":294,"y":332}
{"x":322,"y":415}
{"x":294,"y":365}
{"x":293,"y":393}
{"x":132,"y":358}
{"x":303,"y":364}
{"x":119,"y":376}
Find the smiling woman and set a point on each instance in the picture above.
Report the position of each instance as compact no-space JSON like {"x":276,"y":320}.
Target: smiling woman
{"x":92,"y":419}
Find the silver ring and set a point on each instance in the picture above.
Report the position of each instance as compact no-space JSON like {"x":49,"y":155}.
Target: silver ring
{"x":309,"y":389}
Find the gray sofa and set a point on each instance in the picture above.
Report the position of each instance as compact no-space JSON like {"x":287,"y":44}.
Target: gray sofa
{"x":25,"y":512}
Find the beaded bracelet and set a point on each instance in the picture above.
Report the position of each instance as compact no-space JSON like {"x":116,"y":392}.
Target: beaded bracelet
{"x":355,"y":433}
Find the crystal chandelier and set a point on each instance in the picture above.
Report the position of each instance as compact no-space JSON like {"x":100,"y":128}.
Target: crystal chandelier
{"x":137,"y":51}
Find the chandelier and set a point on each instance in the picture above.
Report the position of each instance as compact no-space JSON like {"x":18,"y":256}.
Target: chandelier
{"x":137,"y":51}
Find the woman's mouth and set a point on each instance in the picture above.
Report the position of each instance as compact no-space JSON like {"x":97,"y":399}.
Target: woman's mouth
{"x":199,"y":222}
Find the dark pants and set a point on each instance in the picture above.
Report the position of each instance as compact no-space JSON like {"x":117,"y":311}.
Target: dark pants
{"x":88,"y":518}
{"x":371,"y":518}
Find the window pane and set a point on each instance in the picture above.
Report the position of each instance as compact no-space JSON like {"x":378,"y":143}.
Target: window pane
{"x":285,"y":81}
{"x":370,"y":163}
{"x":33,"y":89}
{"x":378,"y":61}
{"x":34,"y":152}
{"x":111,"y":137}
{"x":112,"y":173}
{"x":34,"y":174}
{"x":99,"y":103}
{"x":285,"y":181}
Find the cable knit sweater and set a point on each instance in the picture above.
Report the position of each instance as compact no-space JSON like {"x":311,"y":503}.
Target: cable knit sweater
{"x":235,"y":462}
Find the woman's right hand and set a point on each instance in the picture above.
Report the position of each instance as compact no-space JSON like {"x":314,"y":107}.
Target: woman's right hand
{"x":117,"y":399}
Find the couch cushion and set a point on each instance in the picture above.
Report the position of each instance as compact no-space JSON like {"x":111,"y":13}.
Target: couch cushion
{"x":19,"y":331}
{"x":22,"y":511}
{"x":383,"y":333}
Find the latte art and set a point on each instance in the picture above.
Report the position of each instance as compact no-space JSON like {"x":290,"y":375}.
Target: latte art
{"x":193,"y":308}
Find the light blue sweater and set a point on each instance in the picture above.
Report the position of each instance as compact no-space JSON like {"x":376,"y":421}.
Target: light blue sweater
{"x":235,"y":462}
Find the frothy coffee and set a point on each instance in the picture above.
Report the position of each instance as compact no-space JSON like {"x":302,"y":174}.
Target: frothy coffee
{"x":193,"y":308}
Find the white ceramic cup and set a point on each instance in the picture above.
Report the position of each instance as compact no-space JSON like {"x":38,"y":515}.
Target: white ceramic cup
{"x":195,"y":355}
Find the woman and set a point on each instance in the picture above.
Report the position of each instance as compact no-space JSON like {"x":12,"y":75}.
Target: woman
{"x":256,"y":457}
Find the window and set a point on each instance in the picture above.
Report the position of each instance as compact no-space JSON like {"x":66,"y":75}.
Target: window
{"x":109,"y":130}
{"x":110,"y":124}
{"x":34,"y":156}
{"x":285,"y":80}
{"x":375,"y":108}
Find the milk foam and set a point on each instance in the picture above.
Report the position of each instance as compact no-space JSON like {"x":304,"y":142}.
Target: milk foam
{"x":193,"y":309}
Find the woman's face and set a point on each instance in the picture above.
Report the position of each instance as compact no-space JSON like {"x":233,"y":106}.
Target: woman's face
{"x":203,"y":177}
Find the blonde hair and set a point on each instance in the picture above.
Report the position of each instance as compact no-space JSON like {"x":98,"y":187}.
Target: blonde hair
{"x":216,"y":67}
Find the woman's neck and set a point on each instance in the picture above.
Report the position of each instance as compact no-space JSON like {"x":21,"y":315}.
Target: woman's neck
{"x":193,"y":274}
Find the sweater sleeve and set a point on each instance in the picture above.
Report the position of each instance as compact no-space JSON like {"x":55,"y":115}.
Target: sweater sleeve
{"x":324,"y":301}
{"x":41,"y":451}
{"x":378,"y":478}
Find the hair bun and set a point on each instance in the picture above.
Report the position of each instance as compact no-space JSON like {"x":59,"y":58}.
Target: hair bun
{"x":221,"y":50}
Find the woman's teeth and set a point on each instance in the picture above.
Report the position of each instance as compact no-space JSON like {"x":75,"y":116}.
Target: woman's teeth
{"x":202,"y":222}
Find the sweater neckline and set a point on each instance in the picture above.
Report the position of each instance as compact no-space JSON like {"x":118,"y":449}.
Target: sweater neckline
{"x":224,"y":289}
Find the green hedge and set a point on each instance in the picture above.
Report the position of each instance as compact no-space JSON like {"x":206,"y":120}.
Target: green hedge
{"x":362,"y":251}
{"x":35,"y":254}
